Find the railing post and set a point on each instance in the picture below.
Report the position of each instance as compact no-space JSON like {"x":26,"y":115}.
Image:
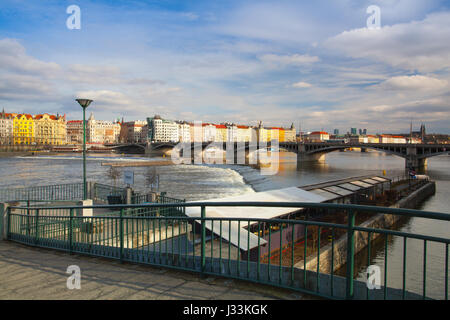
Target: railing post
{"x":121,"y":234}
{"x":8,"y":222}
{"x":28,"y":218}
{"x":71,"y":231}
{"x":36,"y":228}
{"x":350,"y":253}
{"x":203,"y":236}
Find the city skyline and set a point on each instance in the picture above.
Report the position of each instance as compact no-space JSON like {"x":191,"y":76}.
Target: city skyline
{"x":244,"y":61}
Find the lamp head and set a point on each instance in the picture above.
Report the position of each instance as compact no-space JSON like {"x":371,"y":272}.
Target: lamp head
{"x":84,"y":103}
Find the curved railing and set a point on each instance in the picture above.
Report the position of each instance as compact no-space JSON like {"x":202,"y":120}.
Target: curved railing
{"x":287,"y":253}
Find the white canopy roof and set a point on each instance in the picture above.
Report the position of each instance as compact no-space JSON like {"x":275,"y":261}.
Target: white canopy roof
{"x":235,"y":232}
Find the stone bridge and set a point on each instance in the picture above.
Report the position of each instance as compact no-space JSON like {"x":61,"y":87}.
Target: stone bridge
{"x":415,"y":155}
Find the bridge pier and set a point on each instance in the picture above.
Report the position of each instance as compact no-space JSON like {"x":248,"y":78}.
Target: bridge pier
{"x":416,"y":163}
{"x":314,"y":157}
{"x":413,"y":161}
{"x":304,"y":156}
{"x":148,"y":149}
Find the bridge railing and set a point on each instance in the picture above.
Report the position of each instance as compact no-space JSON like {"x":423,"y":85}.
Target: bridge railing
{"x":273,"y":252}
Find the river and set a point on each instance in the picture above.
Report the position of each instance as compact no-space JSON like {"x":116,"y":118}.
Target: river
{"x":196,"y":182}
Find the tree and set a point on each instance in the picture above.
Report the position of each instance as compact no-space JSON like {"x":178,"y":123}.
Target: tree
{"x":114,"y":174}
{"x":152,"y":178}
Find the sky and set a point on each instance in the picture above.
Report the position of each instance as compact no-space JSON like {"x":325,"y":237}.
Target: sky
{"x":316,"y":64}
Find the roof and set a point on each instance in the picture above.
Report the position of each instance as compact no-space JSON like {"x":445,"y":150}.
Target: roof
{"x":319,"y":132}
{"x":239,"y":235}
{"x":336,"y":189}
{"x":28,"y":116}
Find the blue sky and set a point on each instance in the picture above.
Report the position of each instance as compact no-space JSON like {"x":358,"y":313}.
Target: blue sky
{"x":310,"y":62}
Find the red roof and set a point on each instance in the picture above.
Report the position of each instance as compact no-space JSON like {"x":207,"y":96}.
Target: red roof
{"x":28,"y":116}
{"x":319,"y":132}
{"x":220,"y":126}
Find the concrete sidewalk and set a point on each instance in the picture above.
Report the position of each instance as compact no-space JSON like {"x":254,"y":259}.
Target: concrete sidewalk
{"x":34,"y":273}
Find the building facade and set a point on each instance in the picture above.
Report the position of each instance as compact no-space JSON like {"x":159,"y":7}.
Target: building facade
{"x":6,"y":128}
{"x":50,"y":129}
{"x":290,"y":135}
{"x":184,"y":131}
{"x":162,"y":130}
{"x":134,"y":132}
{"x":318,"y":136}
{"x":100,"y":131}
{"x":23,"y":129}
{"x":74,"y":131}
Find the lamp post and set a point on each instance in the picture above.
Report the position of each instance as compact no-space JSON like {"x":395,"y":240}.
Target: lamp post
{"x":84,"y":103}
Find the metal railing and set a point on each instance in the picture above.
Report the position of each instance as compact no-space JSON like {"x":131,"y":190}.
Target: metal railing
{"x":232,"y":247}
{"x":67,"y":192}
{"x":103,"y":191}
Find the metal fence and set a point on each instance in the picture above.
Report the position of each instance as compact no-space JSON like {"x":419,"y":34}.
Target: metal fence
{"x":69,"y":191}
{"x":210,"y":246}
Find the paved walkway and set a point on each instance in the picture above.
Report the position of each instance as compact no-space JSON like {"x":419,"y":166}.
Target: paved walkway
{"x":34,"y":273}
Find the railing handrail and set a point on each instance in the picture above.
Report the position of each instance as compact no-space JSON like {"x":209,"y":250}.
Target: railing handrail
{"x":46,"y":186}
{"x":299,"y":205}
{"x":256,"y":220}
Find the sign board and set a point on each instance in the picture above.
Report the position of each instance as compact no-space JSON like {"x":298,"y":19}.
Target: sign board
{"x":128,"y":177}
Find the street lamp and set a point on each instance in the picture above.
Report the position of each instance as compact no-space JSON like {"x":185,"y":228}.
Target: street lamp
{"x":84,"y":103}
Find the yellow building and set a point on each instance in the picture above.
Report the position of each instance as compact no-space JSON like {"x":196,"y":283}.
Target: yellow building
{"x":277,"y":134}
{"x":50,"y":129}
{"x":23,"y":129}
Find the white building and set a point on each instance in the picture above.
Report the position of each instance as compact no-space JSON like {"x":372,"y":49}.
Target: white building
{"x":161,"y":130}
{"x":387,"y":138}
{"x":6,"y":128}
{"x":318,"y":136}
{"x":184,"y":131}
{"x":100,"y":131}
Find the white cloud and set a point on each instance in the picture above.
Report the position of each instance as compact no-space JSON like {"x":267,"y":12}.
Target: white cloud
{"x":105,"y":97}
{"x":417,"y":45}
{"x":301,"y":84}
{"x":288,"y":60}
{"x":14,"y":58}
{"x":416,"y":82}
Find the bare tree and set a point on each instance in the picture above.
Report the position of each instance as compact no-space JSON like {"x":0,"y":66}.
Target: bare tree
{"x":114,"y":174}
{"x":151,"y":177}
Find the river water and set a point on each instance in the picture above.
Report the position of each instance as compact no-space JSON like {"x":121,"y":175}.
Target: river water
{"x":197,"y":182}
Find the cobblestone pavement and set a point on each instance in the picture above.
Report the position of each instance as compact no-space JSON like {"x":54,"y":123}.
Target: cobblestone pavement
{"x":32,"y":273}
